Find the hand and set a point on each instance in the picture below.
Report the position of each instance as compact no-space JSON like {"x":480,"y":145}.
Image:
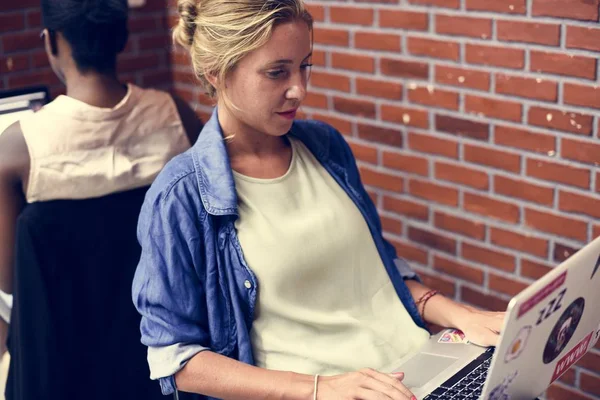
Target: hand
{"x":366,"y":384}
{"x":481,"y":327}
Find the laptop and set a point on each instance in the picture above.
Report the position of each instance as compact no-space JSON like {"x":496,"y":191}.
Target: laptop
{"x":548,"y":327}
{"x":14,"y":104}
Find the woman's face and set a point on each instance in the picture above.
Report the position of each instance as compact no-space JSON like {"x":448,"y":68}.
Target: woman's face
{"x":269,"y":84}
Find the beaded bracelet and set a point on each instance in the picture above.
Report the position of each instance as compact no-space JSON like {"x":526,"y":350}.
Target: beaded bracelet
{"x":424,"y":299}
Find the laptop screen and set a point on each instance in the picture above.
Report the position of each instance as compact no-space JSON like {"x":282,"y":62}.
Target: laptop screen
{"x":15,"y":104}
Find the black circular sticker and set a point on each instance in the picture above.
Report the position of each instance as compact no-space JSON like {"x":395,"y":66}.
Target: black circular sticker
{"x":563,"y":330}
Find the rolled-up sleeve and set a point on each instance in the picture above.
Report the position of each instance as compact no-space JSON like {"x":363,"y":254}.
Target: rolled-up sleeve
{"x":168,"y":288}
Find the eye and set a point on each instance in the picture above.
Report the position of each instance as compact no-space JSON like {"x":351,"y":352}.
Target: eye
{"x":276,"y":74}
{"x":305,"y":66}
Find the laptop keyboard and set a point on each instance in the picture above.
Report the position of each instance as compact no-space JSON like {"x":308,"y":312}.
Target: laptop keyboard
{"x":466,"y":383}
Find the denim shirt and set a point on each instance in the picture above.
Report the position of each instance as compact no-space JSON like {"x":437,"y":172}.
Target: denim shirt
{"x":192,"y":285}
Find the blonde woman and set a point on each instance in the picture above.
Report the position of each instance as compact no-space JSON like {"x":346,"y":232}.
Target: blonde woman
{"x":264,"y":273}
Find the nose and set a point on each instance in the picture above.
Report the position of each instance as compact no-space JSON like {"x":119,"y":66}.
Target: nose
{"x":297,"y":91}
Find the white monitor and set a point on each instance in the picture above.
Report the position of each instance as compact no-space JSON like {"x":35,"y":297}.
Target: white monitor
{"x":14,"y":104}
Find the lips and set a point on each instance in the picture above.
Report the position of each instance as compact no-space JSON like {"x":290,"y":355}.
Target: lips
{"x":290,"y":114}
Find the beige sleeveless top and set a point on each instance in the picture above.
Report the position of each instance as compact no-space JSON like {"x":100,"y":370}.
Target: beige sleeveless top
{"x":81,"y":151}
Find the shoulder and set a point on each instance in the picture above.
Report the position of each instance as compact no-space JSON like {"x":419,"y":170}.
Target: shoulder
{"x":14,"y":155}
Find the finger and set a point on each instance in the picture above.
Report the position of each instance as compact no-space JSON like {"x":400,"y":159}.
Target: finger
{"x":370,"y":394}
{"x":391,"y":385}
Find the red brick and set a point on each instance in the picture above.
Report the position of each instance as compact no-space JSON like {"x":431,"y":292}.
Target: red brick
{"x":459,"y":225}
{"x":563,"y":64}
{"x":318,"y":58}
{"x":459,"y":270}
{"x":378,"y":134}
{"x":516,"y":241}
{"x":377,"y":41}
{"x":494,"y":108}
{"x":561,"y":173}
{"x":351,"y":15}
{"x":527,"y":87}
{"x":495,"y":56}
{"x":442,"y":49}
{"x":462,"y":77}
{"x":135,"y":63}
{"x":461,"y":175}
{"x":587,"y":152}
{"x":432,"y":145}
{"x":158,"y":78}
{"x":21,"y":41}
{"x":433,"y":192}
{"x":579,"y":204}
{"x":156,"y":41}
{"x":492,"y":157}
{"x":596,"y":231}
{"x":353,"y":62}
{"x":590,"y":361}
{"x":523,"y":190}
{"x":383,"y":89}
{"x":556,"y":224}
{"x":391,"y":225}
{"x":586,"y":10}
{"x":406,"y":208}
{"x":409,"y":251}
{"x":430,"y":96}
{"x":361,"y":108}
{"x":590,"y":383}
{"x":562,"y":252}
{"x":334,"y":37}
{"x":582,"y":37}
{"x":432,"y":240}
{"x":489,"y":257}
{"x":406,"y":116}
{"x":480,"y":299}
{"x":330,"y":81}
{"x":378,"y":1}
{"x":317,"y":12}
{"x":406,"y":163}
{"x":462,"y":127}
{"x":364,"y":152}
{"x":437,"y":3}
{"x":568,"y":377}
{"x":315,"y":100}
{"x":480,"y":28}
{"x":418,"y":21}
{"x":560,"y":392}
{"x":341,"y":124}
{"x":26,"y":79}
{"x":404,"y":69}
{"x":505,"y":285}
{"x":580,"y":95}
{"x":34,"y":19}
{"x":444,"y":286}
{"x":18,"y":5}
{"x":491,"y":208}
{"x":12,"y":22}
{"x":524,"y":139}
{"x":512,"y":7}
{"x":382,"y":180}
{"x":185,"y":76}
{"x":14,"y":63}
{"x":533,"y":270}
{"x":578,"y":123}
{"x":529,"y":32}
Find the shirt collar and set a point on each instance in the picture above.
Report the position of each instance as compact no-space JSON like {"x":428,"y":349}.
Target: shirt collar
{"x":213,"y":170}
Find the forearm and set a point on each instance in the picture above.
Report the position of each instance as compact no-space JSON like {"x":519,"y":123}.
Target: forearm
{"x":439,"y":309}
{"x":218,"y":376}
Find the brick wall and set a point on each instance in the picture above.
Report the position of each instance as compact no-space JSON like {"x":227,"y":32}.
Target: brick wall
{"x":23,"y":60}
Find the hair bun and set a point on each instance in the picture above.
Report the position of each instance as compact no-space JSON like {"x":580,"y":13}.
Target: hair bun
{"x":185,"y":30}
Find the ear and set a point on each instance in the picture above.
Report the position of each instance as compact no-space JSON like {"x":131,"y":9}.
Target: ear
{"x":212,"y":78}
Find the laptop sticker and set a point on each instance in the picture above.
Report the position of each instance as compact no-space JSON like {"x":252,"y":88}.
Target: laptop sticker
{"x":571,"y":357}
{"x":542,"y":294}
{"x":563,"y":330}
{"x":500,"y":391}
{"x":453,"y":336}
{"x":518,"y":344}
{"x":553,"y":306}
{"x":595,"y":268}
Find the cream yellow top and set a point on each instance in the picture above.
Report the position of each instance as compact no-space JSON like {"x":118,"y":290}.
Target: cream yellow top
{"x":326,"y":304}
{"x":81,"y":151}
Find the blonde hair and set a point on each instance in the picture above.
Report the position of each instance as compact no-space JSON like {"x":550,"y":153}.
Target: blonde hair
{"x":219,"y":33}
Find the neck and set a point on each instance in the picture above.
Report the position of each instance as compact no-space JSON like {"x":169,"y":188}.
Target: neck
{"x":100,"y":90}
{"x":242,"y":140}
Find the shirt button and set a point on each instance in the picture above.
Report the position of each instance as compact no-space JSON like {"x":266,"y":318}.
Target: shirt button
{"x":247,"y":284}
